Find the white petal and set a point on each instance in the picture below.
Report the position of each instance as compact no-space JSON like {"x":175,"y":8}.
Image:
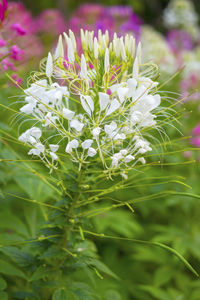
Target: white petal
{"x":36,"y":132}
{"x":76,"y":125}
{"x":87,"y":104}
{"x":113,"y":107}
{"x":106,"y":61}
{"x":110,"y":128}
{"x":59,"y":49}
{"x":129,"y":158}
{"x":96,"y":48}
{"x":131,"y":84}
{"x":122,"y":92}
{"x":68,"y":114}
{"x":96,"y":131}
{"x":49,"y":65}
{"x":53,"y":147}
{"x":53,"y":155}
{"x":103,"y":100}
{"x":135,"y":68}
{"x":27,"y":108}
{"x":70,"y":52}
{"x":87,"y":143}
{"x":92,"y":152}
{"x":83,"y":72}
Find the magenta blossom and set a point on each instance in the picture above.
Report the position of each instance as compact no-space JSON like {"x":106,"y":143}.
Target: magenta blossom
{"x":16,"y":52}
{"x":195,"y":140}
{"x":3,"y":8}
{"x":19,"y":29}
{"x":2,"y":43}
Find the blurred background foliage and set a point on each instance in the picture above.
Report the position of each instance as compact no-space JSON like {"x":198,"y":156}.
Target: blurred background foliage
{"x":145,"y":272}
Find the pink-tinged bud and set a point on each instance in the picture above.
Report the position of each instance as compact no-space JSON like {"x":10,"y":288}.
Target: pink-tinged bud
{"x":2,"y":43}
{"x":16,"y":52}
{"x":19,"y":29}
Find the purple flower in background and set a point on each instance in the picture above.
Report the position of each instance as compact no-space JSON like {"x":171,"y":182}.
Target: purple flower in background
{"x":120,"y":11}
{"x":132,"y":25}
{"x":179,"y":40}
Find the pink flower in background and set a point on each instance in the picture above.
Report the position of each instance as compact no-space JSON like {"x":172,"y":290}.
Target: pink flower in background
{"x":189,"y":86}
{"x":3,"y":8}
{"x":19,"y":29}
{"x":18,"y":41}
{"x":195,"y":140}
{"x":51,"y":21}
{"x":2,"y":43}
{"x":16,"y":52}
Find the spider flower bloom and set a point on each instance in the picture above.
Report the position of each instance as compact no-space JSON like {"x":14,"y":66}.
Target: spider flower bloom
{"x":103,"y":110}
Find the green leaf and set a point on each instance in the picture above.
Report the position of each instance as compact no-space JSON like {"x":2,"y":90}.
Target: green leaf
{"x":10,"y":221}
{"x":34,"y":187}
{"x":8,"y":269}
{"x":24,"y":295}
{"x":22,"y":258}
{"x":3,"y":284}
{"x":102,"y":267}
{"x":3,"y":296}
{"x":60,"y":294}
{"x":40,"y":273}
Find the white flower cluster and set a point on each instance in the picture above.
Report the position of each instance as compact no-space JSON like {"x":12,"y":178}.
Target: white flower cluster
{"x":102,"y":109}
{"x":181,"y":14}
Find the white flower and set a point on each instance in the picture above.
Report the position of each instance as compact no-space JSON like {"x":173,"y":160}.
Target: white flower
{"x":109,"y":129}
{"x":96,"y":131}
{"x":53,"y":156}
{"x":129,"y":158}
{"x":71,"y":145}
{"x":53,"y":147}
{"x":37,"y":150}
{"x":68,"y":114}
{"x":36,"y":132}
{"x":87,"y":143}
{"x":76,"y":124}
{"x":91,"y":152}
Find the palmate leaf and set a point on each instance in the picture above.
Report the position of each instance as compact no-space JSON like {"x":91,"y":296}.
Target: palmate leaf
{"x":9,"y":269}
{"x":22,"y":258}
